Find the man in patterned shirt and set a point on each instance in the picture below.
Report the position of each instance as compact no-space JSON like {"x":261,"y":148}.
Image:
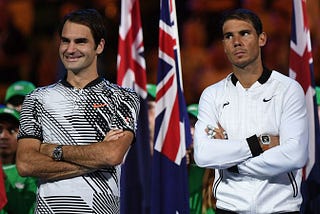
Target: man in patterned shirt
{"x":74,"y":134}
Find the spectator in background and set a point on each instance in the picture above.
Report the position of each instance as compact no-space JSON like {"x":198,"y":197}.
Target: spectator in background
{"x":21,"y":191}
{"x":212,"y":71}
{"x":152,"y":89}
{"x":194,"y":56}
{"x":16,"y":93}
{"x":201,"y":199}
{"x":14,"y":56}
{"x":210,"y":11}
{"x":252,"y":127}
{"x":208,"y":200}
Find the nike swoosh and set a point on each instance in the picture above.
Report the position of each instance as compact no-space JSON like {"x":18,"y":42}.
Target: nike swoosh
{"x":225,"y":104}
{"x":99,"y":105}
{"x":267,"y":100}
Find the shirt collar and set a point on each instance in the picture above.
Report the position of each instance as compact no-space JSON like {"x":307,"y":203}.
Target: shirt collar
{"x":90,"y":84}
{"x":262,"y":79}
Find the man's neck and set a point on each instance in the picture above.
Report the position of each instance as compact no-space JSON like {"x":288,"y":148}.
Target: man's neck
{"x":80,"y":80}
{"x":249,"y":75}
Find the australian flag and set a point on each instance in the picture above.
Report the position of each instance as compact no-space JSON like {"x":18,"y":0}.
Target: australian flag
{"x":301,"y":69}
{"x":136,"y":171}
{"x":172,"y":130}
{"x":3,"y":195}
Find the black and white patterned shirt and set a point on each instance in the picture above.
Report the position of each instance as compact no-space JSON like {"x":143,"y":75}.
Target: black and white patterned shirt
{"x":62,"y":114}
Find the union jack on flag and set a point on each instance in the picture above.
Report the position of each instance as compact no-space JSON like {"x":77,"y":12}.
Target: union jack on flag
{"x":131,"y":62}
{"x":172,"y":130}
{"x":136,"y":171}
{"x":301,"y":69}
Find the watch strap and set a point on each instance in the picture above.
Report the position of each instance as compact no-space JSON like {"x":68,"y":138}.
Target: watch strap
{"x":254,"y":145}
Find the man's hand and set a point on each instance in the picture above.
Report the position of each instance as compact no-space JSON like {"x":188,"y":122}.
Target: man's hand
{"x":113,"y":134}
{"x":216,"y":132}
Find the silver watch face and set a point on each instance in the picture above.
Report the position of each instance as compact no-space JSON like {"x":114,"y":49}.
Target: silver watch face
{"x":57,"y":153}
{"x":265,"y":139}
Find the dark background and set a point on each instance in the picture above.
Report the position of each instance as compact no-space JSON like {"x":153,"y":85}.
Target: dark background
{"x":31,"y":50}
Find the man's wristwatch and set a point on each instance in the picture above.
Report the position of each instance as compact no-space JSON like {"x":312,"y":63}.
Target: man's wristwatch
{"x":57,"y":153}
{"x":265,"y":139}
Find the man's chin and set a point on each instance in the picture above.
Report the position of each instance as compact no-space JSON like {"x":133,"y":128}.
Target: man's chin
{"x":75,"y":71}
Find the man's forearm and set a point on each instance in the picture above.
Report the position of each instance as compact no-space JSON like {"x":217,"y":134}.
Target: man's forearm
{"x":64,"y":173}
{"x":109,"y":152}
{"x":45,"y":168}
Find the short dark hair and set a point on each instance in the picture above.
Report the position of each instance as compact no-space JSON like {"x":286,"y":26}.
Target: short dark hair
{"x":90,"y":18}
{"x":245,"y":15}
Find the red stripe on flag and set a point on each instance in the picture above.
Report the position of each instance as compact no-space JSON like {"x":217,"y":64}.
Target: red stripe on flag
{"x":300,"y":64}
{"x":135,"y":190}
{"x":130,"y":50}
{"x":166,"y":43}
{"x":171,"y":141}
{"x":165,"y":88}
{"x":172,"y":131}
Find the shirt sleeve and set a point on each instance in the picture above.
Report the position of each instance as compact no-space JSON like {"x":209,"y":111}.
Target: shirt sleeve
{"x":127,"y":111}
{"x":215,"y":153}
{"x":292,"y":152}
{"x":30,"y":122}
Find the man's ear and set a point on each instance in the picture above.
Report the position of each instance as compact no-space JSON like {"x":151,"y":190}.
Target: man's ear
{"x":100,"y":46}
{"x":262,"y":39}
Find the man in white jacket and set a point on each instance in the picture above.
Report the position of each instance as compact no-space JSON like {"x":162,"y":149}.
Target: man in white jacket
{"x":252,"y":127}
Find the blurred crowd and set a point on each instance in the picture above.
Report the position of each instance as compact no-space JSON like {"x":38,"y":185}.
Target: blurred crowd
{"x":29,"y":43}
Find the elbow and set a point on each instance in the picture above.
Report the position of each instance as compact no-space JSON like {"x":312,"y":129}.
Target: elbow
{"x":200,"y":160}
{"x":214,"y":161}
{"x":302,"y":160}
{"x":298,"y":160}
{"x":302,"y":156}
{"x":115,"y":161}
{"x":23,"y":168}
{"x":200,"y":157}
{"x":112,"y":159}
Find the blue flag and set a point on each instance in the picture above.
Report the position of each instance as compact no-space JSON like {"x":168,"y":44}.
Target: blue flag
{"x":301,"y":69}
{"x":136,"y":171}
{"x":172,"y":130}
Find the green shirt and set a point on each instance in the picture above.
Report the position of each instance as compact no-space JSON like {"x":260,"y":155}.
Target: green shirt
{"x":21,"y":192}
{"x":195,"y":190}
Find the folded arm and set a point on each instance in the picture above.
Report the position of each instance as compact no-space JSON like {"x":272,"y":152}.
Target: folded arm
{"x":35,"y":158}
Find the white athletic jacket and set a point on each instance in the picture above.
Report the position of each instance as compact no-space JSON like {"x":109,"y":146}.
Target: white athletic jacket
{"x":247,"y":180}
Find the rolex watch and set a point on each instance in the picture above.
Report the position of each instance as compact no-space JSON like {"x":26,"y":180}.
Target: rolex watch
{"x":57,"y":153}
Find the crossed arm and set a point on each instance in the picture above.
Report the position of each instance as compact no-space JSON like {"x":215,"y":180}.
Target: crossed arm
{"x":34,"y":158}
{"x":219,"y":133}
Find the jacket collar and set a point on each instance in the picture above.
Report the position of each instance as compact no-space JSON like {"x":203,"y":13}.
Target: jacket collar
{"x":262,"y":79}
